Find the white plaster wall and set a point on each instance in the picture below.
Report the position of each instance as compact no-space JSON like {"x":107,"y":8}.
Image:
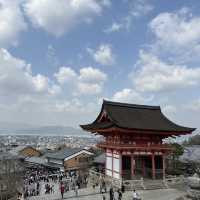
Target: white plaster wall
{"x":116,"y":175}
{"x":116,"y":164}
{"x":108,"y":172}
{"x":109,"y":163}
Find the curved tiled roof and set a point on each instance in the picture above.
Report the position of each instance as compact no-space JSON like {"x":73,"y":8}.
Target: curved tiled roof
{"x":132,"y":116}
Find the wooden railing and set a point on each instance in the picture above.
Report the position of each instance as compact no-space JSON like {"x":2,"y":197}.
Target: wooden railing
{"x":96,"y":178}
{"x":135,"y":146}
{"x":134,"y":184}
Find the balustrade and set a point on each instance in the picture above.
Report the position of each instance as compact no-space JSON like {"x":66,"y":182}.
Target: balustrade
{"x":134,"y":145}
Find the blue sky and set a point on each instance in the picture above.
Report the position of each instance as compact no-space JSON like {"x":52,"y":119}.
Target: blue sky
{"x":59,"y":59}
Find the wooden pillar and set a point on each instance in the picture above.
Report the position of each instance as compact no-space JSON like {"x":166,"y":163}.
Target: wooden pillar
{"x":153,"y":166}
{"x":163,"y":159}
{"x":132,"y":166}
{"x":143,"y":167}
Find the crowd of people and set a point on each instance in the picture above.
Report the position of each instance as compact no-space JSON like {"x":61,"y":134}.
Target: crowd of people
{"x":35,"y":179}
{"x":39,"y":182}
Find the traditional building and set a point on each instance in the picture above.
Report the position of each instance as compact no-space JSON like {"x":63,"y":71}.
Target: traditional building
{"x":68,"y":159}
{"x":26,"y":151}
{"x":134,"y":137}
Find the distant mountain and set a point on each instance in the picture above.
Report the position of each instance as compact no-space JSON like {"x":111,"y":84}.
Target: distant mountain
{"x":29,"y":129}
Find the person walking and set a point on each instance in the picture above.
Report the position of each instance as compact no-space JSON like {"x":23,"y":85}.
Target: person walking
{"x":119,"y":194}
{"x":123,"y":188}
{"x":76,"y":190}
{"x":111,"y":192}
{"x":136,"y":196}
{"x":62,"y":189}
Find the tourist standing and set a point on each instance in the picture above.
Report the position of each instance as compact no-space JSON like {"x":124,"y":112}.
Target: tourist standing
{"x":135,"y":195}
{"x":76,"y":190}
{"x":62,"y":189}
{"x":111,"y":192}
{"x":119,"y":194}
{"x":123,"y":188}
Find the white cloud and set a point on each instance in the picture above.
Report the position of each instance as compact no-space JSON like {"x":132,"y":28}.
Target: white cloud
{"x":17,"y":79}
{"x":129,"y":96}
{"x":103,"y":55}
{"x":178,"y":28}
{"x":136,"y":10}
{"x":115,"y":27}
{"x":40,"y":82}
{"x":178,"y":33}
{"x":38,"y":99}
{"x":153,"y":75}
{"x":106,"y":3}
{"x":55,"y":90}
{"x":65,"y":74}
{"x":89,"y":80}
{"x":140,"y":8}
{"x":12,"y":22}
{"x":91,"y":75}
{"x":169,"y":109}
{"x":194,"y":105}
{"x":62,"y":14}
{"x":89,"y":88}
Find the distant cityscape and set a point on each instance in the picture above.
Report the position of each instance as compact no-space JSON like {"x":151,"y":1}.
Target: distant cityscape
{"x":45,"y":142}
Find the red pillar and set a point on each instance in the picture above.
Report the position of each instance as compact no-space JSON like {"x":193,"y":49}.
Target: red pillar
{"x":143,"y":167}
{"x":153,"y":166}
{"x":132,"y":166}
{"x":163,"y":157}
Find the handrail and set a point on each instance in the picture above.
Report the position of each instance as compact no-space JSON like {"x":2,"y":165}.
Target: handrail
{"x":136,"y":146}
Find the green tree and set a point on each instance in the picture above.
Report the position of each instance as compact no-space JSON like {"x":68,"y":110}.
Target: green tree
{"x":178,"y":150}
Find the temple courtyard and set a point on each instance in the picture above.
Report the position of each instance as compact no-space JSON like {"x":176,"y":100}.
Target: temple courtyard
{"x":91,"y":194}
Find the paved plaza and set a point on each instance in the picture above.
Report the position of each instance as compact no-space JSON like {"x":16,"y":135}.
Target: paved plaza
{"x":90,"y":194}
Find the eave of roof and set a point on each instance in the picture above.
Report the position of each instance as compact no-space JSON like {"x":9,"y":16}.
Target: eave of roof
{"x":135,"y":117}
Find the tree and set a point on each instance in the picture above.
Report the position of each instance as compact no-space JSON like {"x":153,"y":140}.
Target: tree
{"x":178,"y":150}
{"x":10,"y":176}
{"x":193,"y":140}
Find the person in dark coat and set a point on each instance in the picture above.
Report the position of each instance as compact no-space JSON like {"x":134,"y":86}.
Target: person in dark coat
{"x":111,"y":192}
{"x":119,"y":194}
{"x":123,"y":188}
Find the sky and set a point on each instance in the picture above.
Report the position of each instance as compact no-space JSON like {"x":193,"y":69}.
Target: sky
{"x":60,"y":59}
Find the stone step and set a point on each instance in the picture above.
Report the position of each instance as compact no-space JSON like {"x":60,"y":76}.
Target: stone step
{"x":154,"y":185}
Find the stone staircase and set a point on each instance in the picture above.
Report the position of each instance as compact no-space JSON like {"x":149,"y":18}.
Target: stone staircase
{"x":154,"y":184}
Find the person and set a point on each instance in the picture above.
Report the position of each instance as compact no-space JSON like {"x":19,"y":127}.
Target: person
{"x":119,"y":194}
{"x":135,"y":195}
{"x":123,"y":188}
{"x":76,"y":190}
{"x":103,"y":197}
{"x":111,"y":193}
{"x":104,"y":186}
{"x":62,"y":189}
{"x":115,"y":195}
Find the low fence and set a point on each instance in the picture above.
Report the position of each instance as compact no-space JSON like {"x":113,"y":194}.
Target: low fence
{"x":96,"y":178}
{"x":171,"y":181}
{"x":134,"y":184}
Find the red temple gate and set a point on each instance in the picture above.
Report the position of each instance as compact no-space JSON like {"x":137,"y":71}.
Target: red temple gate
{"x":134,"y":136}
